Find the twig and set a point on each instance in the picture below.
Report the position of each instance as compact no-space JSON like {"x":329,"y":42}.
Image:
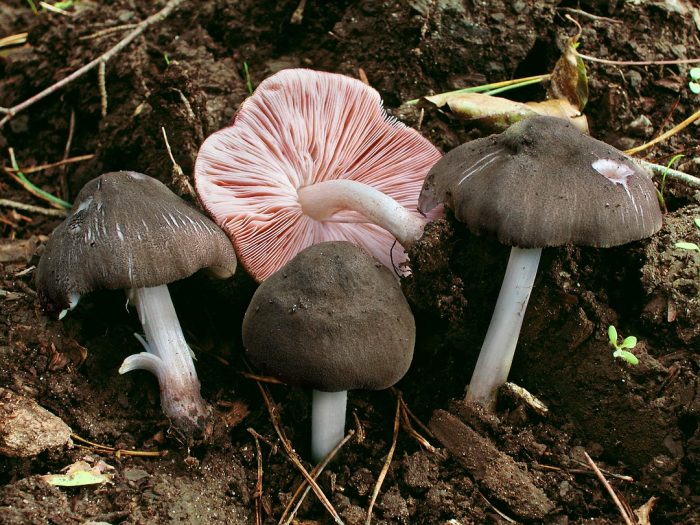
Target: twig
{"x":108,"y":31}
{"x":315,"y":473}
{"x":639,"y":62}
{"x":405,"y":413}
{"x":292,"y":455}
{"x":589,"y":15}
{"x":262,"y":379}
{"x":257,"y":493}
{"x":105,"y":57}
{"x":387,"y":463}
{"x":298,"y":14}
{"x":51,"y":212}
{"x":623,"y":512}
{"x":687,"y":179}
{"x":42,"y":167}
{"x":102,"y":85}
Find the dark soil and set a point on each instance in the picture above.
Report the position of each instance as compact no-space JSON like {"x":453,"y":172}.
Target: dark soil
{"x":186,"y":74}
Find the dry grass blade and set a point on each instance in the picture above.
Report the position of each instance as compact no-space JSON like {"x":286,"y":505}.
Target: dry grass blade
{"x":387,"y":463}
{"x":118,"y":452}
{"x":304,"y":486}
{"x":13,"y":40}
{"x":629,"y":519}
{"x":262,"y":379}
{"x":692,"y":118}
{"x":292,"y":455}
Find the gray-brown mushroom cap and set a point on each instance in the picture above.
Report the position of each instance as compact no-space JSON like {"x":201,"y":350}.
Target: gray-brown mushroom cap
{"x":543,"y":183}
{"x":127,"y":230}
{"x":332,"y":319}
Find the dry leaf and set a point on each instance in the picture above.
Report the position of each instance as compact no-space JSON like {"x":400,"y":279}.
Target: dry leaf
{"x":644,"y":511}
{"x":569,"y":80}
{"x":81,"y":473}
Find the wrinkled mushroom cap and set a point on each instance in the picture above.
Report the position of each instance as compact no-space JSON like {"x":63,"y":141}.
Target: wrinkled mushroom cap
{"x":333,"y":318}
{"x":543,"y":183}
{"x":298,"y":128}
{"x":127,"y":230}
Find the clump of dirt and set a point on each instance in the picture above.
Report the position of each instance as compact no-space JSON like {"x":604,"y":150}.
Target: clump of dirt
{"x":186,"y":75}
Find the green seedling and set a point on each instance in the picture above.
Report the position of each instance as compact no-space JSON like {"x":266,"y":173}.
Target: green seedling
{"x":662,"y":186}
{"x":690,"y":246}
{"x":622,"y":349}
{"x":694,"y":84}
{"x":166,"y":58}
{"x":248,"y":81}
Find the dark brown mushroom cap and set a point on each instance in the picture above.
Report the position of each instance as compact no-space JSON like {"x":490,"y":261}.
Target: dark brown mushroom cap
{"x":332,"y":319}
{"x":543,"y":183}
{"x":127,"y":230}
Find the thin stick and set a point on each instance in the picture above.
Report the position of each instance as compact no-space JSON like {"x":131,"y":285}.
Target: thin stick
{"x":315,"y":473}
{"x":108,"y":31}
{"x":675,"y":129}
{"x":387,"y":463}
{"x":102,"y":85}
{"x":42,"y":167}
{"x":257,"y":493}
{"x":611,"y":491}
{"x":501,"y":514}
{"x":50,"y":212}
{"x":589,"y":15}
{"x":105,"y":57}
{"x":262,"y":379}
{"x":639,"y":62}
{"x":292,"y":455}
{"x":681,"y":176}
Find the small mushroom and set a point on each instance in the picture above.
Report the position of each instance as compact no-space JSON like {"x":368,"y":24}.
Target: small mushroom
{"x":313,"y":157}
{"x":129,"y":231}
{"x":332,"y":319}
{"x":540,"y":183}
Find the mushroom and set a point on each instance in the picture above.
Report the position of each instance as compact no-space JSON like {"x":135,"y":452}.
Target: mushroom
{"x":332,"y":319}
{"x":539,"y":183}
{"x":313,"y":157}
{"x":129,"y":231}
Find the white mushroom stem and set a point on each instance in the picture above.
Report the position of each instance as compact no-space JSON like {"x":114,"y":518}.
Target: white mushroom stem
{"x":496,"y":356}
{"x":322,"y":199}
{"x":327,"y":421}
{"x":169,"y":358}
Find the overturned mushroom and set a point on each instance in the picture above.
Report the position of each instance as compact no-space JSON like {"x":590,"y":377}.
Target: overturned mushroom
{"x":129,"y":231}
{"x":313,"y":157}
{"x":540,"y":183}
{"x":332,"y":319}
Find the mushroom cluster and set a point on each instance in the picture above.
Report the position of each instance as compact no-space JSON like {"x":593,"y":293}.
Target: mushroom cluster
{"x":332,"y":319}
{"x":313,"y":157}
{"x":539,"y":183}
{"x":129,"y":231}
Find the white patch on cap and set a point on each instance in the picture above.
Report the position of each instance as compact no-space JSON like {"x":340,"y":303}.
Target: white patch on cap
{"x":136,"y":176}
{"x":84,"y":205}
{"x":618,"y":173}
{"x":614,"y":171}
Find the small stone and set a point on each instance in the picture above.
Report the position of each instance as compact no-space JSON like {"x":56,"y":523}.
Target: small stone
{"x":135,"y":474}
{"x":26,"y":429}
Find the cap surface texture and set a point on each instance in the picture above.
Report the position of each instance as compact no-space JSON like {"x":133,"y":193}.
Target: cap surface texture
{"x":334,"y":318}
{"x":543,"y":183}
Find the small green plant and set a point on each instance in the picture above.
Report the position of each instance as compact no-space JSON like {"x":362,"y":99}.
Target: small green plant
{"x":694,"y":84}
{"x":691,"y":246}
{"x":622,"y":349}
{"x":248,"y":81}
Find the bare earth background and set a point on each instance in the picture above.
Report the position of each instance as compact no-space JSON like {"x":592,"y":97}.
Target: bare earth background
{"x":186,"y":74}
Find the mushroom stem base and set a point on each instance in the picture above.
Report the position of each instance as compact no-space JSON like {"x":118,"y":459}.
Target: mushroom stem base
{"x":169,"y":358}
{"x":327,"y":421}
{"x":493,"y":365}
